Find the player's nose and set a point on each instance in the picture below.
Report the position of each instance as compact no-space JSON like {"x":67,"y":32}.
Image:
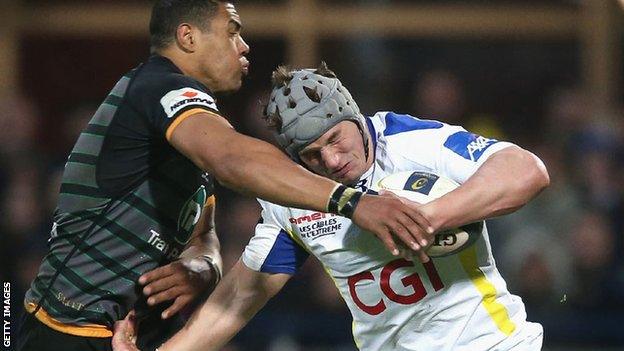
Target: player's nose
{"x":243,"y":47}
{"x":330,"y":158}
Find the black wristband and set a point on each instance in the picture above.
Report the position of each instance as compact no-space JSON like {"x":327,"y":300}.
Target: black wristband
{"x":348,"y":209}
{"x":343,"y":201}
{"x":332,"y":206}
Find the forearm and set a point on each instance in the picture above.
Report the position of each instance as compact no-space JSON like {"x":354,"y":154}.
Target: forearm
{"x":204,"y":243}
{"x":503,"y":184}
{"x":259,"y":169}
{"x":235,"y":301}
{"x":249,"y":165}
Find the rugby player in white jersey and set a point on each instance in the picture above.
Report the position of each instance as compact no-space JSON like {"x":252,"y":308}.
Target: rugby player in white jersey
{"x":458,"y":302}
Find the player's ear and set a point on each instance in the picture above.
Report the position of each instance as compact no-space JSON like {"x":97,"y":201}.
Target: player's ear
{"x":185,"y":37}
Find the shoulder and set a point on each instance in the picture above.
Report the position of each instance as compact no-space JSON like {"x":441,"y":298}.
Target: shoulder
{"x":275,"y":214}
{"x":391,"y":123}
{"x":399,"y":129}
{"x":153,"y":80}
{"x":394,"y":129}
{"x":269,"y":206}
{"x":408,"y":141}
{"x":172,"y":90}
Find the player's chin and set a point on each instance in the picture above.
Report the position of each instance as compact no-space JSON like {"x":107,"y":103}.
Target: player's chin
{"x":232,"y":87}
{"x":238,"y":81}
{"x":345,"y":180}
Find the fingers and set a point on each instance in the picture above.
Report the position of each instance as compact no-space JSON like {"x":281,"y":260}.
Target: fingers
{"x":416,"y":224}
{"x":420,"y":249}
{"x":131,"y":325}
{"x":386,"y":216}
{"x":161,"y":285}
{"x":176,"y":281}
{"x":166,"y":295}
{"x":181,"y":295}
{"x":385,"y":192}
{"x":157,"y":273}
{"x":422,"y":256}
{"x":415,"y":230}
{"x":177,"y":305}
{"x":124,"y":334}
{"x":412,"y":211}
{"x":416,"y":249}
{"x":420,"y":221}
{"x":402,"y":233}
{"x":386,"y":238}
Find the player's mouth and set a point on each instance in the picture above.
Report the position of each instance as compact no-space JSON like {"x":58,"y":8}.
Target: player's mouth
{"x":245,"y":66}
{"x":342,"y":171}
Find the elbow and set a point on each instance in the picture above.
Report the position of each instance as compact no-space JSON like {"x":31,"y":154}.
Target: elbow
{"x":533,"y":181}
{"x":529,"y":180}
{"x":228,"y":170}
{"x":539,"y":177}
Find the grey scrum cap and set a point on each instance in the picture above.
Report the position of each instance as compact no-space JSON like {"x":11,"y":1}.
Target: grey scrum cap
{"x":309,"y":105}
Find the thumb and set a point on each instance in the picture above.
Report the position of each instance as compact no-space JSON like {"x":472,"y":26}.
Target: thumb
{"x":390,"y":193}
{"x":125,"y":330}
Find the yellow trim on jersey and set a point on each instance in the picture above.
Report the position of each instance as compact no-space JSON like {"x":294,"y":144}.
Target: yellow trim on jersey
{"x":185,"y":115}
{"x":211,"y":201}
{"x":298,"y":240}
{"x":495,"y":309}
{"x":358,"y":344}
{"x":87,"y":330}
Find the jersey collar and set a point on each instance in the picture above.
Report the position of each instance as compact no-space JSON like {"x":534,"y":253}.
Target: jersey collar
{"x":364,"y":183}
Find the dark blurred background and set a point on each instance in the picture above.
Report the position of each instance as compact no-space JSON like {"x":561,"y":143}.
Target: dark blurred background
{"x":546,"y":75}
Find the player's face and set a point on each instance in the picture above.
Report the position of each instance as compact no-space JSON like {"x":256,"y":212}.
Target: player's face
{"x":222,"y":51}
{"x":338,"y":154}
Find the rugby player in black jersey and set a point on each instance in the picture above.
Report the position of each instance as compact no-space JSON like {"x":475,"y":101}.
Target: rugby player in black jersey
{"x":133,"y":228}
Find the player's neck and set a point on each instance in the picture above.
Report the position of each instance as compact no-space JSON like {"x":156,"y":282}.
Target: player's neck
{"x":185,"y":63}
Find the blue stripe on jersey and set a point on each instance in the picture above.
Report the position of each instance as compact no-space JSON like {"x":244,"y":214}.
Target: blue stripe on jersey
{"x":286,"y":256}
{"x":372,"y":132}
{"x":468,"y":145}
{"x":396,"y":124}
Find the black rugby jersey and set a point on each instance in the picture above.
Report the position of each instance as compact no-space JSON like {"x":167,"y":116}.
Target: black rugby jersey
{"x":128,"y":200}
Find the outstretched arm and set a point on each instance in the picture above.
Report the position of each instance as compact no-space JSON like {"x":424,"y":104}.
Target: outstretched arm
{"x":504,"y":183}
{"x":248,"y":165}
{"x":259,"y":169}
{"x":241,"y":294}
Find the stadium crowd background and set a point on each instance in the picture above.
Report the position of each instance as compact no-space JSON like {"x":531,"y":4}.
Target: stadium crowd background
{"x":563,"y":253}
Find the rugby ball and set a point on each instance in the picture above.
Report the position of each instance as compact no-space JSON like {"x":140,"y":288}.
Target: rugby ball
{"x":423,"y":187}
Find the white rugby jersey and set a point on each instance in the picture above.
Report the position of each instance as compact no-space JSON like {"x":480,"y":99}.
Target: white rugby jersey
{"x":458,"y":302}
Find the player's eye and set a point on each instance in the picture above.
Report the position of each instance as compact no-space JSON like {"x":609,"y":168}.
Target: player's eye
{"x":305,"y":156}
{"x":313,"y":157}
